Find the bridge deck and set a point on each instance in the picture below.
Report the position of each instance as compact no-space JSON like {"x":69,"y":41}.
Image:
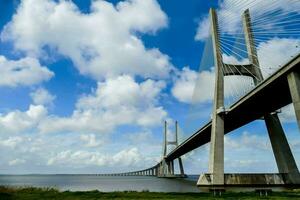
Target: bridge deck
{"x":269,"y":96}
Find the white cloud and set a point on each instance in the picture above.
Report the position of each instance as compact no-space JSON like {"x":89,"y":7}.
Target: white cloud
{"x":11,"y":142}
{"x":90,"y":140}
{"x":185,"y":85}
{"x":140,"y":138}
{"x":127,"y":157}
{"x":42,"y":96}
{"x":287,"y":114}
{"x":102,"y":43}
{"x":26,"y":71}
{"x":248,"y":140}
{"x":18,"y":121}
{"x":115,"y":102}
{"x":283,"y":48}
{"x":16,"y":162}
{"x":203,"y":29}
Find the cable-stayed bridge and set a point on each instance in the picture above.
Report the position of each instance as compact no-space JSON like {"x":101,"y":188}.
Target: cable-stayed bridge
{"x":268,"y":94}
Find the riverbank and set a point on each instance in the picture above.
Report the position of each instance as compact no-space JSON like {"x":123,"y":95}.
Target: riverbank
{"x":7,"y":193}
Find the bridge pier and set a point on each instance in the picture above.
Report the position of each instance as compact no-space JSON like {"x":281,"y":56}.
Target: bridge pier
{"x":283,"y":155}
{"x":294,"y":85}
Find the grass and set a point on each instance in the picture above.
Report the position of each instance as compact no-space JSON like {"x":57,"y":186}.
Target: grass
{"x":8,"y":193}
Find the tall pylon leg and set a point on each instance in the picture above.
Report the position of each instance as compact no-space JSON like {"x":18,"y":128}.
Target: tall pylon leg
{"x":181,"y":167}
{"x":216,"y":157}
{"x":281,"y":149}
{"x":179,"y":159}
{"x":294,"y":85}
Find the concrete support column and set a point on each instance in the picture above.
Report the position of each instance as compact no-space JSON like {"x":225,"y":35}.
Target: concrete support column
{"x":180,"y":166}
{"x":160,"y":169}
{"x":167,"y":168}
{"x":282,"y":152}
{"x":165,"y":139}
{"x":294,"y":85}
{"x":216,"y":157}
{"x":179,"y":159}
{"x":170,"y":168}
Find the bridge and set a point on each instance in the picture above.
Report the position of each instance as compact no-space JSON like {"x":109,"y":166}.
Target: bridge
{"x":259,"y":103}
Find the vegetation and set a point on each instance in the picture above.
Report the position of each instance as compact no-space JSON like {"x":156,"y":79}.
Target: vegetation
{"x":7,"y":193}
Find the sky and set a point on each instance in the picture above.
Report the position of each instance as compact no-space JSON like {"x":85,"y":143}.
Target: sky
{"x":86,"y":85}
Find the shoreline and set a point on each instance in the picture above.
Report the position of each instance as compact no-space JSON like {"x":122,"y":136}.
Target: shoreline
{"x":33,"y":193}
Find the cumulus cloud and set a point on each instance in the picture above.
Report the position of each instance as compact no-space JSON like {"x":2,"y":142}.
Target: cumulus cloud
{"x":26,"y":71}
{"x":248,"y":140}
{"x":115,"y":102}
{"x":127,"y":157}
{"x":283,"y":48}
{"x":102,"y":43}
{"x":185,"y":85}
{"x":287,"y":114}
{"x":16,"y":162}
{"x":203,"y":29}
{"x":90,"y":140}
{"x":140,"y":138}
{"x":11,"y":142}
{"x":18,"y":121}
{"x":42,"y":96}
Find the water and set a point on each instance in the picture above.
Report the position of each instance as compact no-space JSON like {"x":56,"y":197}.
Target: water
{"x":102,"y":183}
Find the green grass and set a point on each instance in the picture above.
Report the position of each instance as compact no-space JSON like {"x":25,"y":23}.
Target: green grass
{"x":7,"y":193}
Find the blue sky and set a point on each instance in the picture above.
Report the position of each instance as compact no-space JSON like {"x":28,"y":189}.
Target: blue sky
{"x":87,"y":85}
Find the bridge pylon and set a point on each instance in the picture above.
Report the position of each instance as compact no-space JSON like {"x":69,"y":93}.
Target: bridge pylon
{"x":288,"y":171}
{"x":166,"y":168}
